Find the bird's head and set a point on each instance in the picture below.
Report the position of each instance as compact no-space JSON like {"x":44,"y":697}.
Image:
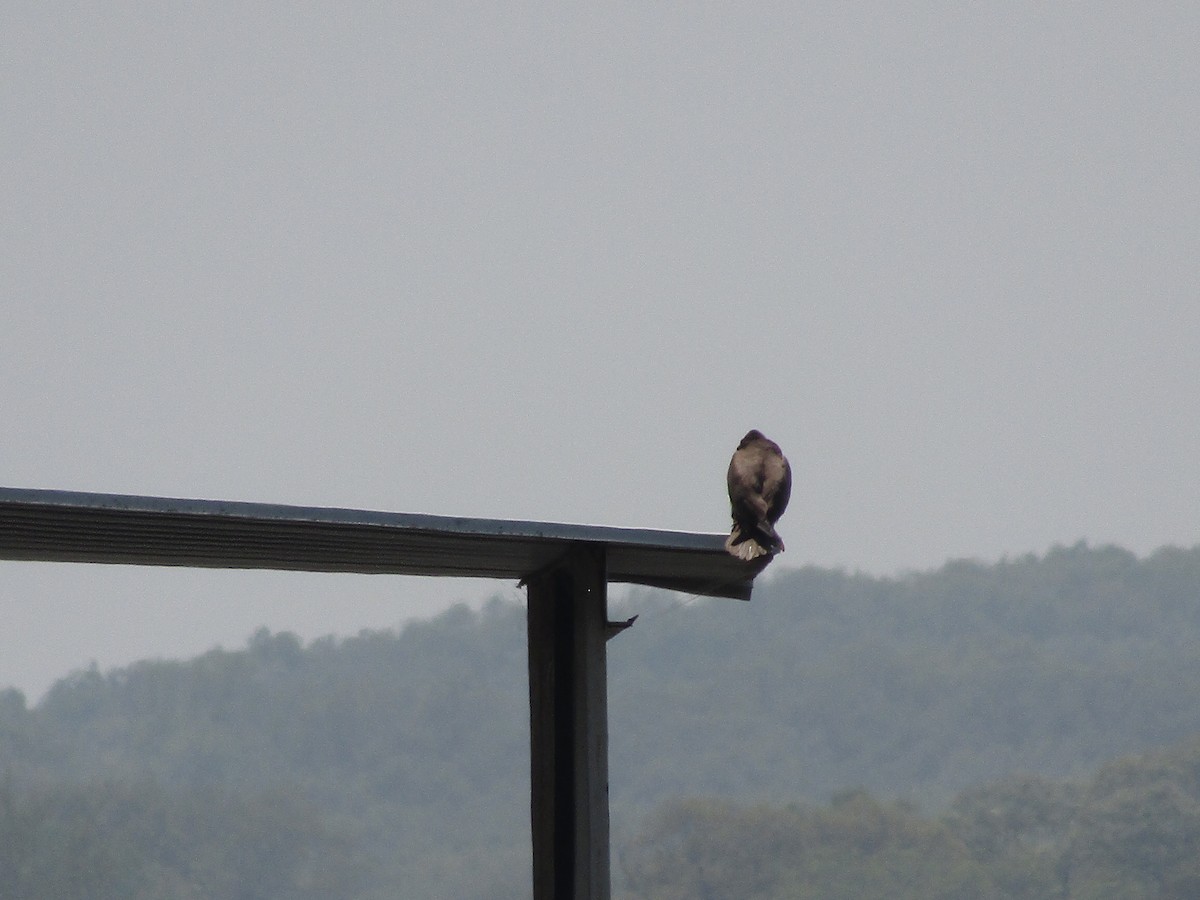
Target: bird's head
{"x":751,"y":436}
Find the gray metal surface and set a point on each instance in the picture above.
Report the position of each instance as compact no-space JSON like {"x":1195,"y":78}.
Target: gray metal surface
{"x":66,"y":526}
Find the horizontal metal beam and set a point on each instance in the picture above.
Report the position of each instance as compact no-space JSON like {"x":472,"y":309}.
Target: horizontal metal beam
{"x":66,"y":526}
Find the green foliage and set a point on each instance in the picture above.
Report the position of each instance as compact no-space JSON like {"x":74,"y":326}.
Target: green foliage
{"x":138,"y":841}
{"x":856,"y":849}
{"x":1139,"y":827}
{"x":1130,"y":833}
{"x":918,"y":686}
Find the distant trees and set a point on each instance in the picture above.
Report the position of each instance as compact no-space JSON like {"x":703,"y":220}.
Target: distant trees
{"x":1130,"y":833}
{"x":855,"y":849}
{"x":1138,"y":829}
{"x":916,"y":686}
{"x":140,"y":842}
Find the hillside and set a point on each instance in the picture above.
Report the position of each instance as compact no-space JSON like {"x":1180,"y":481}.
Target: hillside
{"x":1130,"y":832}
{"x":916,"y":686}
{"x":403,"y":755}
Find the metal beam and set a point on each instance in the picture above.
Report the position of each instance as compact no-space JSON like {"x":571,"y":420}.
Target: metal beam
{"x":568,"y":728}
{"x":66,"y":526}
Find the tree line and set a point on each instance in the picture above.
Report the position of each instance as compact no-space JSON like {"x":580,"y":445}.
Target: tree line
{"x":1130,"y":832}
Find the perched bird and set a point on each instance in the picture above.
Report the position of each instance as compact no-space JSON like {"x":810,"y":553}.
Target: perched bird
{"x":760,"y":483}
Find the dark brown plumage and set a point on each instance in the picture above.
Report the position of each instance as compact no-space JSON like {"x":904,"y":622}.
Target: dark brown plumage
{"x":760,"y":483}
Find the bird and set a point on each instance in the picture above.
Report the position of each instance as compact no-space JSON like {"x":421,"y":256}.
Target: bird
{"x":760,"y":484}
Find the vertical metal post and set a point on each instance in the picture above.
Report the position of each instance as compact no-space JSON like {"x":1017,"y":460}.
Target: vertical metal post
{"x":568,"y":727}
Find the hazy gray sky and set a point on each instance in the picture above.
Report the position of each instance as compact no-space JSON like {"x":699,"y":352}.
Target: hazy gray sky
{"x":551,"y":263}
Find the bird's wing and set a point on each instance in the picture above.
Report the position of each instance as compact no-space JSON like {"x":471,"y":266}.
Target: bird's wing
{"x":777,"y":486}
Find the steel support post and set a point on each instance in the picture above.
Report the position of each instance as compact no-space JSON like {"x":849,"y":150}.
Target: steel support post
{"x":568,"y":723}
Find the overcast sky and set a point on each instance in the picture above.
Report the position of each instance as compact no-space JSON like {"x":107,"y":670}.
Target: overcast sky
{"x":551,"y":263}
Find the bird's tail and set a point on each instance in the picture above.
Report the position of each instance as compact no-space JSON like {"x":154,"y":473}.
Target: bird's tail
{"x":749,"y":547}
{"x":767,"y":530}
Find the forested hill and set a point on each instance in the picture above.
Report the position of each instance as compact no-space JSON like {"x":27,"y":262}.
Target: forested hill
{"x":404,"y":755}
{"x":1131,"y":832}
{"x":916,"y":686}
